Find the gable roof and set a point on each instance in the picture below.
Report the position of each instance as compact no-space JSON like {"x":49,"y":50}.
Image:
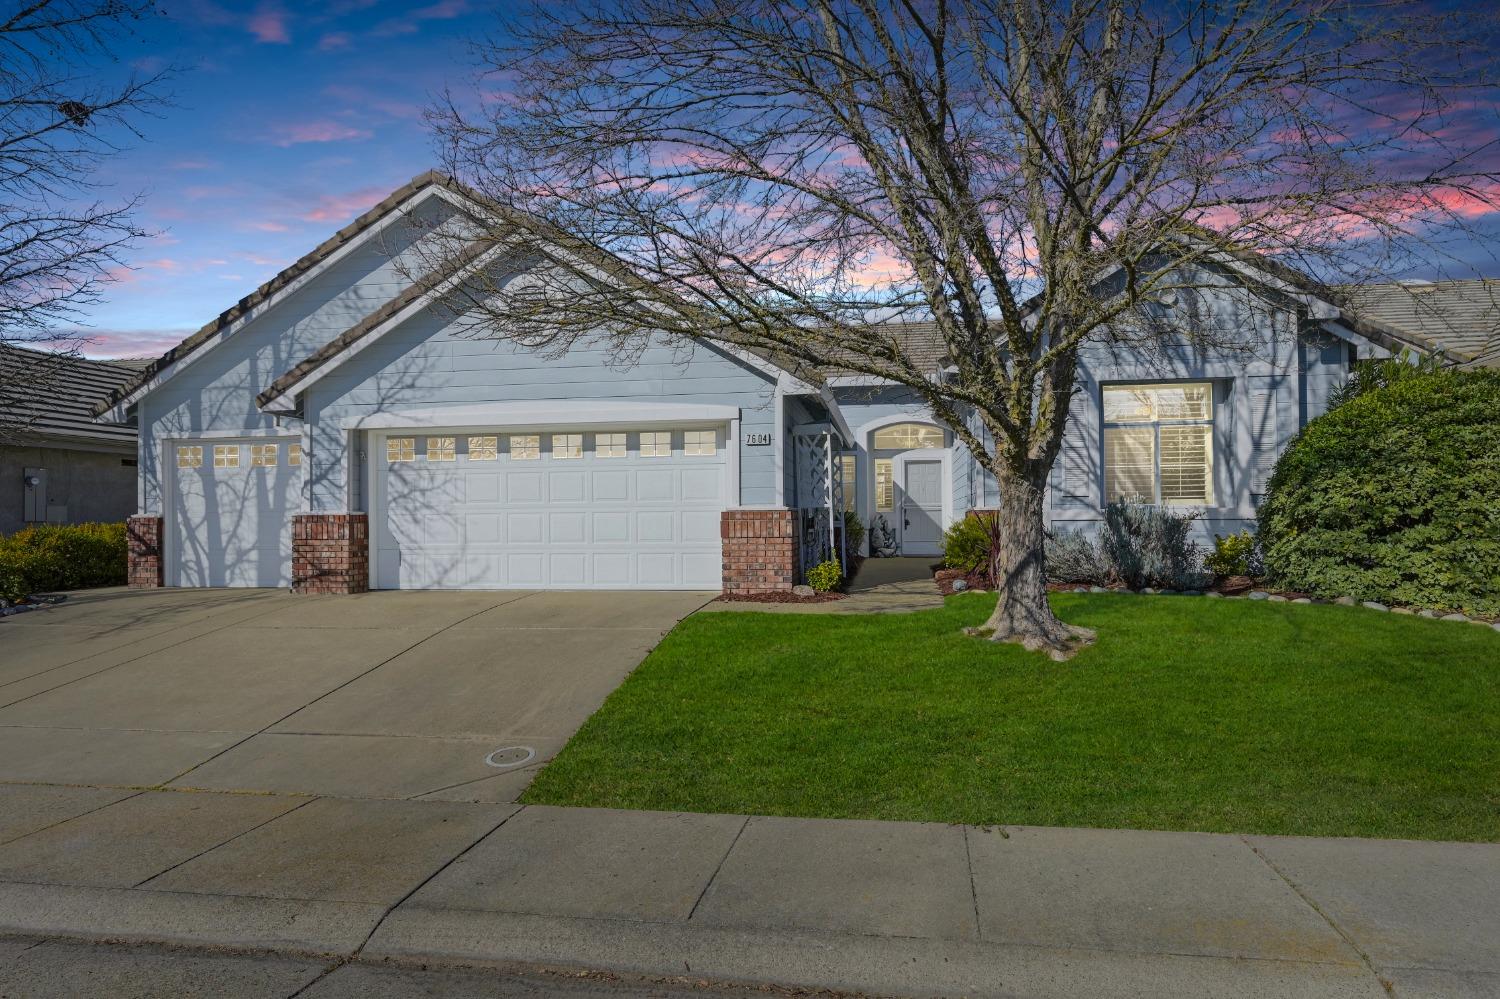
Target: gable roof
{"x":53,"y":396}
{"x":323,"y":251}
{"x":1460,"y":318}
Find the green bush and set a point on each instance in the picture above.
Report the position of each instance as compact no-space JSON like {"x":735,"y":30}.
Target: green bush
{"x":61,"y":557}
{"x":854,"y":532}
{"x":1394,"y":496}
{"x":825,"y":577}
{"x":1233,"y":555}
{"x":966,"y":544}
{"x":1151,"y":546}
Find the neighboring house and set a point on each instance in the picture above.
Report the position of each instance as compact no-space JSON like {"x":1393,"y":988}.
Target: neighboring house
{"x":1459,"y":318}
{"x":335,"y":431}
{"x":57,"y":464}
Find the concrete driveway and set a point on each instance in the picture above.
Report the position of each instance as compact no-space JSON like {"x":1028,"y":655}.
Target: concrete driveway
{"x":382,"y":695}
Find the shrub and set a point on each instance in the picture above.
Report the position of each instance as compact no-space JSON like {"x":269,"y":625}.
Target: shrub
{"x":1394,"y":496}
{"x":1377,"y":373}
{"x":1077,"y":557}
{"x":854,"y":532}
{"x":825,"y":577}
{"x":1233,"y":555}
{"x":1151,"y":546}
{"x":968,"y":542}
{"x":61,"y":557}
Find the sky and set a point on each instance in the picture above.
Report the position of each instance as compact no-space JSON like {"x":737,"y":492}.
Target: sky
{"x":288,"y":120}
{"x":291,"y":117}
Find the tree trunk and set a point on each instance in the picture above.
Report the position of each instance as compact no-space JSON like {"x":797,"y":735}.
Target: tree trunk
{"x":1018,"y":563}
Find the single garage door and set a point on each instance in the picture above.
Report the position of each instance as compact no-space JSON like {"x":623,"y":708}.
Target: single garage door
{"x":230,"y":512}
{"x":563,"y":509}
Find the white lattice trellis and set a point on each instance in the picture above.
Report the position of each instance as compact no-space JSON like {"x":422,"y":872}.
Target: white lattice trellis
{"x":820,"y":498}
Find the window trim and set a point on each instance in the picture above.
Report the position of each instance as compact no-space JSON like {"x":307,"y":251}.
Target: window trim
{"x":1155,"y":423}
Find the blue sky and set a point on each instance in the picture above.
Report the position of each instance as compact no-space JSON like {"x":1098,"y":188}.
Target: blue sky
{"x":289,"y":120}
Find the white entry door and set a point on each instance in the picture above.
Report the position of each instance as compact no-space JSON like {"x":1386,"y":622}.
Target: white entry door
{"x":921,"y":507}
{"x":229,"y":515}
{"x":489,"y":509}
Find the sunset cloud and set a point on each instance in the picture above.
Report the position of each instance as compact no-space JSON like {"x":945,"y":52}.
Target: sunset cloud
{"x":268,"y":24}
{"x":298,"y":133}
{"x":411,"y":22}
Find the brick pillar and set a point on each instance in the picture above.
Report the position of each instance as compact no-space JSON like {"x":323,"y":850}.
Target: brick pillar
{"x":760,"y":551}
{"x":330,"y":553}
{"x":143,"y":561}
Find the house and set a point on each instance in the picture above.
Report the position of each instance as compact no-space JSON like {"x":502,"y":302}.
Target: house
{"x":333,"y":432}
{"x":57,"y":464}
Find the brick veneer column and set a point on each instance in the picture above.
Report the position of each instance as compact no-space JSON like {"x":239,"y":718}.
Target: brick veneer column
{"x":143,"y":562}
{"x":330,"y":553}
{"x":760,"y":551}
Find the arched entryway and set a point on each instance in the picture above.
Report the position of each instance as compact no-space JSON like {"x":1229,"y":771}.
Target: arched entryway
{"x":905,"y":475}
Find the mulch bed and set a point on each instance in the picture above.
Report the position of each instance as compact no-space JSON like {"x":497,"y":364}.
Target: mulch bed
{"x":780,"y":598}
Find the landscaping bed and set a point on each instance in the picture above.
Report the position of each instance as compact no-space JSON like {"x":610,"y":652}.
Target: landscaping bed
{"x":1216,"y":715}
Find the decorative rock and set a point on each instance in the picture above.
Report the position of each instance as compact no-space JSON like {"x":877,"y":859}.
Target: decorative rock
{"x":1081,"y":589}
{"x":1097,"y":589}
{"x":1301,"y":600}
{"x":1215,"y":595}
{"x":1375,"y":605}
{"x":1168,"y":593}
{"x":1427,"y":612}
{"x":1276,"y":598}
{"x":803,"y":591}
{"x":1496,"y":626}
{"x":1259,"y":595}
{"x":1402,"y":610}
{"x":1455,"y":617}
{"x":1346,"y":601}
{"x":959,"y":585}
{"x":1147,"y":590}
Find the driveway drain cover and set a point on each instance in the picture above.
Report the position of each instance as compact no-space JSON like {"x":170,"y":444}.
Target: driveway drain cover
{"x":510,"y":756}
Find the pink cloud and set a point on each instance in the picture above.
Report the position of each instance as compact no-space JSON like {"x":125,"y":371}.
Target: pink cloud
{"x":297,"y":133}
{"x":131,"y":343}
{"x":268,"y":24}
{"x":343,"y":207}
{"x":269,"y":226}
{"x":411,"y":23}
{"x":334,"y":41}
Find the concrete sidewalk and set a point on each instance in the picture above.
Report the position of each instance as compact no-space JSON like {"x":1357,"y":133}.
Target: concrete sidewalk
{"x":903,"y":908}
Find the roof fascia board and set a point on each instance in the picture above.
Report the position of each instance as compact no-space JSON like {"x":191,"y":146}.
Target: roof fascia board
{"x":561,"y":413}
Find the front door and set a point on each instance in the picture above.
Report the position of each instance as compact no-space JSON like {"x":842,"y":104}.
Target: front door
{"x":922,"y":508}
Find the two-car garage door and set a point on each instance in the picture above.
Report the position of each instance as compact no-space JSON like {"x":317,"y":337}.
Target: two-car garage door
{"x":488,"y":509}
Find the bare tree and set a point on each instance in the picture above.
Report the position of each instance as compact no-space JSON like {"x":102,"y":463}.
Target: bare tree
{"x":1031,"y":176}
{"x":61,"y":117}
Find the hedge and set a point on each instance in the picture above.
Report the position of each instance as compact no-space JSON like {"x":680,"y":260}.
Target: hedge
{"x":1394,"y":496}
{"x":61,"y":557}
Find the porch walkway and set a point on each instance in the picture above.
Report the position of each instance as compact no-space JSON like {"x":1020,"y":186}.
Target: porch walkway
{"x":882,"y":586}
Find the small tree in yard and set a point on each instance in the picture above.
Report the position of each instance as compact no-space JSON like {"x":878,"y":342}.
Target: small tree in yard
{"x":1030,"y":176}
{"x":61,"y":117}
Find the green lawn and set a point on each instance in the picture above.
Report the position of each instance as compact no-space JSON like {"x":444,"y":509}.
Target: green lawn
{"x":1189,"y":713}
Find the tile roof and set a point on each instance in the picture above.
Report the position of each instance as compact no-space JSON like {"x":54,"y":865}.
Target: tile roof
{"x":50,"y":395}
{"x":1461,"y":318}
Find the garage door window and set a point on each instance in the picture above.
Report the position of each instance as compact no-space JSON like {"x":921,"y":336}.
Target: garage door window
{"x":525,"y":447}
{"x":262,"y":455}
{"x":294,"y":454}
{"x":609,"y":445}
{"x":700,"y":442}
{"x":484,"y":448}
{"x":226,"y":456}
{"x":442,"y":448}
{"x":656,"y":445}
{"x":190,"y":457}
{"x":401,"y":449}
{"x":567,"y":445}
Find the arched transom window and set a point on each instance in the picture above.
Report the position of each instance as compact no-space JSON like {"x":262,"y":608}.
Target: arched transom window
{"x":906,"y":436}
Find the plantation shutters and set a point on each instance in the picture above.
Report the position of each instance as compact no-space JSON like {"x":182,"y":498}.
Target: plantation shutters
{"x":1158,"y":443}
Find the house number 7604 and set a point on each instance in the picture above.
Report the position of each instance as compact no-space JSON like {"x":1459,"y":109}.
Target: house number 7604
{"x":757,"y":439}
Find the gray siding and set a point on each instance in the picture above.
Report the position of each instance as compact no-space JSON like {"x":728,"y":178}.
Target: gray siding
{"x":434,"y":360}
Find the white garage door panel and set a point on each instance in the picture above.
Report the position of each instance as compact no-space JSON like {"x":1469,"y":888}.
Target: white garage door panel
{"x":230,"y":525}
{"x":566,"y":523}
